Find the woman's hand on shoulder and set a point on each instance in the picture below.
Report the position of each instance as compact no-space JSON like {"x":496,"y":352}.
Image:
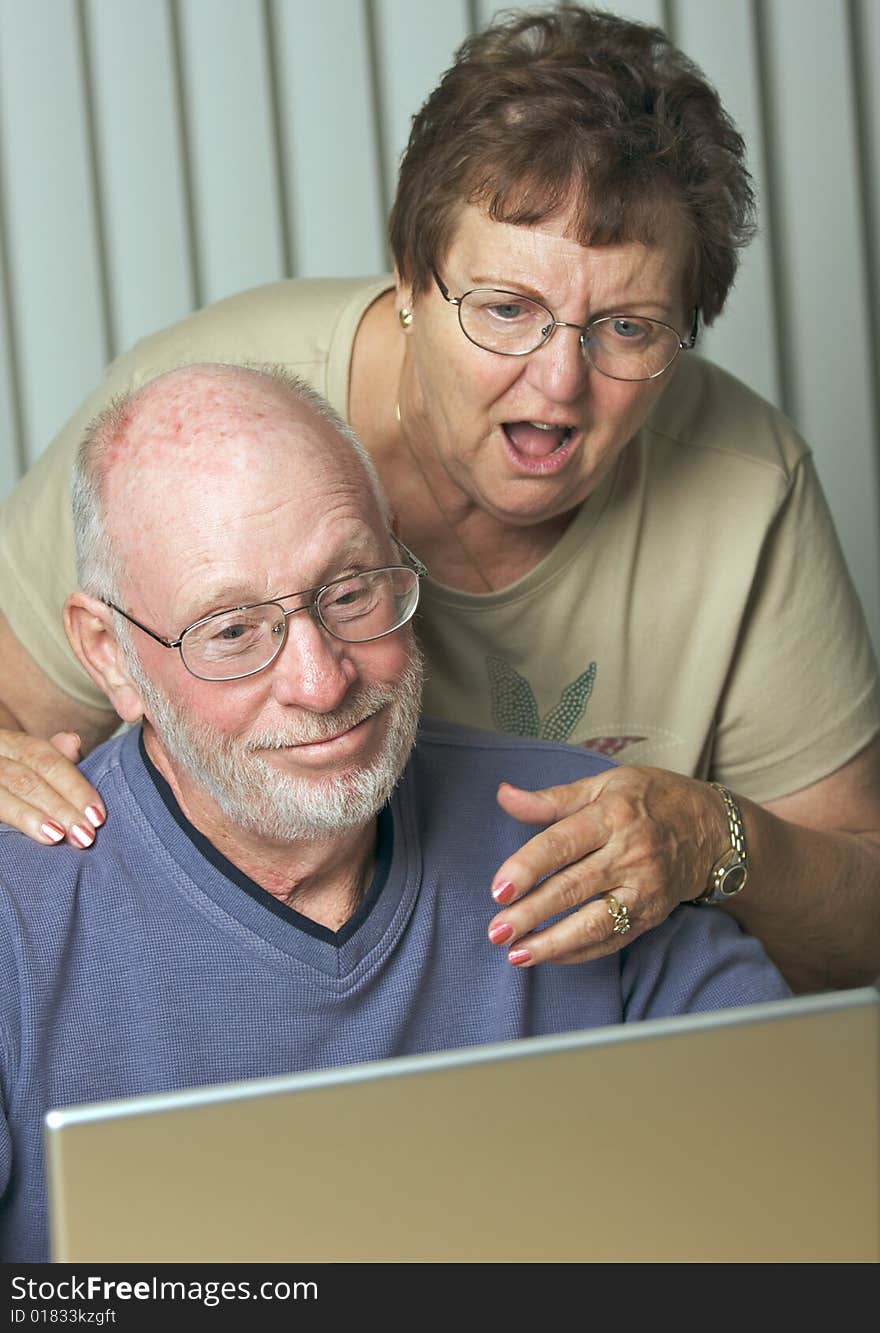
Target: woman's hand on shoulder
{"x":42,"y":792}
{"x":619,"y":852}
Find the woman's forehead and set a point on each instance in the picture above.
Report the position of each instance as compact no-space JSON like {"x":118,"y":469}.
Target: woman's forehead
{"x":487,"y":251}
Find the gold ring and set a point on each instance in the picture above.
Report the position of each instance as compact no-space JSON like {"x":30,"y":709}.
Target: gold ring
{"x":619,"y":915}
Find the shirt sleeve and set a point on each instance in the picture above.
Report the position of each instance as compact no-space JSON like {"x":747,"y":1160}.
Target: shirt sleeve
{"x":37,"y":550}
{"x":802,"y":695}
{"x":697,"y":961}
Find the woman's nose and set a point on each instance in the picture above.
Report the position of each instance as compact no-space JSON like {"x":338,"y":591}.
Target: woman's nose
{"x":559,"y":368}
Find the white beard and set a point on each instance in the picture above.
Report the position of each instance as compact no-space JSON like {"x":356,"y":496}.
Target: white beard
{"x":261,"y":799}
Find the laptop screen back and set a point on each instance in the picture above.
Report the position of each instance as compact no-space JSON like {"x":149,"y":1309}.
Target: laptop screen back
{"x":750,"y":1135}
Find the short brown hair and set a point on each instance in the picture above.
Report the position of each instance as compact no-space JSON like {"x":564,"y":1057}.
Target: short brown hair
{"x":569,"y":104}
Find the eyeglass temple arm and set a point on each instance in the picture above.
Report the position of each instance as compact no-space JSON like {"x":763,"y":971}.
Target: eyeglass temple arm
{"x":692,"y":337}
{"x":421,"y":570}
{"x":444,"y":290}
{"x":166,"y":643}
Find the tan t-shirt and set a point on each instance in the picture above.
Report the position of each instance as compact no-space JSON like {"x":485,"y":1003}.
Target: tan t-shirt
{"x":697,"y":613}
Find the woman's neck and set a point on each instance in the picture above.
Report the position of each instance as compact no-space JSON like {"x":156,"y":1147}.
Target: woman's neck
{"x":463,"y":546}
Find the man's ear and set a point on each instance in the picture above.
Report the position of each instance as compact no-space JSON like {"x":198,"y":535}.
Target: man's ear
{"x":89,"y":626}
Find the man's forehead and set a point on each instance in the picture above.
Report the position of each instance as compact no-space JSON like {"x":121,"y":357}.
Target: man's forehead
{"x":231,"y":559}
{"x":231,"y":488}
{"x":300,"y":567}
{"x":233,"y":452}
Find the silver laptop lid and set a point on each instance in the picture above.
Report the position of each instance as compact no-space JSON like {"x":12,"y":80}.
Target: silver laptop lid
{"x":751,"y":1134}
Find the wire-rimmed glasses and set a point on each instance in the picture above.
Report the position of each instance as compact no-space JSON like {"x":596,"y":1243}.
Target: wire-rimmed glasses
{"x":622,"y":346}
{"x":242,"y":640}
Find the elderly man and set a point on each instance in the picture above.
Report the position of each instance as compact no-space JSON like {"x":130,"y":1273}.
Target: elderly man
{"x":283,"y":884}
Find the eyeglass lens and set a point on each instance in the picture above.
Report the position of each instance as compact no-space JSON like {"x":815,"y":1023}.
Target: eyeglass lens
{"x":356,"y":609}
{"x":625,"y":347}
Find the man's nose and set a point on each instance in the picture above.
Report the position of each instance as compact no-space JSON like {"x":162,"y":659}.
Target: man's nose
{"x":559,"y":368}
{"x":313,"y":670}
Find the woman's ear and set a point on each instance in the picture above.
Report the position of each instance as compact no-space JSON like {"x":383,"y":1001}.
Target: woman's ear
{"x":91,"y":633}
{"x":403,"y":301}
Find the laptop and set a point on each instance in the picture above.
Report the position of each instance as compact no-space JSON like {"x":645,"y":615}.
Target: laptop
{"x":747,"y":1135}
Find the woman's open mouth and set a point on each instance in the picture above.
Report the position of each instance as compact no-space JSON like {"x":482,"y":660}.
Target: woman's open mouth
{"x":538,"y":446}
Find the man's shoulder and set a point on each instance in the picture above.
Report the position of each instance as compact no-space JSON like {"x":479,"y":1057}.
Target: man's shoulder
{"x":478,"y":752}
{"x":697,"y":961}
{"x":706,"y":408}
{"x":105,"y":764}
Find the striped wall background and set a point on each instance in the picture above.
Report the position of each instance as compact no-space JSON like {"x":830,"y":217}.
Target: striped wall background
{"x":159,"y":154}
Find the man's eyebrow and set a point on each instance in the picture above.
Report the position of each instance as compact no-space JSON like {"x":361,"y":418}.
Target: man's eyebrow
{"x":357,"y":553}
{"x":225,"y":597}
{"x":361,"y":552}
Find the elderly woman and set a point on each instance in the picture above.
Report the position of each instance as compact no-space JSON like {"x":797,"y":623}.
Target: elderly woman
{"x":629,"y":550}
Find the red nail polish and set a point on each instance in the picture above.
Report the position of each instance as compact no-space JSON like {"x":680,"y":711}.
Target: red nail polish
{"x":518,"y":957}
{"x":95,"y":816}
{"x":81,"y":836}
{"x":51,"y":832}
{"x":504,"y":892}
{"x":501,"y":933}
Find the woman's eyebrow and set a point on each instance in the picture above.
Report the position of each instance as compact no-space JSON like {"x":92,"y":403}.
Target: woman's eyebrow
{"x":508,"y":285}
{"x":634,"y":304}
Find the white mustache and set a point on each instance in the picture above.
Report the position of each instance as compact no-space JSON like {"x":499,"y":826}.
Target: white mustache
{"x":322,"y":726}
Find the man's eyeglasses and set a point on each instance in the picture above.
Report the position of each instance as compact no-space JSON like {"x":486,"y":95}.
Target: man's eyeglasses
{"x":229,"y":645}
{"x":623,"y":347}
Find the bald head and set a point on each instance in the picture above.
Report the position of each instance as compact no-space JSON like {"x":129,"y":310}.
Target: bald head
{"x":187,"y":448}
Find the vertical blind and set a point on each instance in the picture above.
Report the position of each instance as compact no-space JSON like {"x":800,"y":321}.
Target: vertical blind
{"x":156,"y":155}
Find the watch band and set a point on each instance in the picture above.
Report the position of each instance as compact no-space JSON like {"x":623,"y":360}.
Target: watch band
{"x":734,"y":864}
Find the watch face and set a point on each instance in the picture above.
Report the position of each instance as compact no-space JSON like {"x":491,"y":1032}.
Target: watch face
{"x":733,"y":880}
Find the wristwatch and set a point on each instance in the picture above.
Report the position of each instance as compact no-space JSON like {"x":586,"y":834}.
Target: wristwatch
{"x":730,"y":872}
